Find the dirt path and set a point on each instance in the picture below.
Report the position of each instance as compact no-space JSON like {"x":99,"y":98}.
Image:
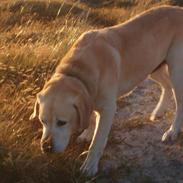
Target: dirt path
{"x":135,"y":149}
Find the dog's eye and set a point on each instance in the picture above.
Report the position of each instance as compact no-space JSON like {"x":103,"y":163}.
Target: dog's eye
{"x":61,"y":123}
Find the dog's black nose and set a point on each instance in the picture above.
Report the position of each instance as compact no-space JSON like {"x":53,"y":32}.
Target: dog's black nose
{"x":47,"y":148}
{"x":47,"y":145}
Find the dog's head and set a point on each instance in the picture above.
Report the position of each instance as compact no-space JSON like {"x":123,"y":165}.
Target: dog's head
{"x":63,"y":107}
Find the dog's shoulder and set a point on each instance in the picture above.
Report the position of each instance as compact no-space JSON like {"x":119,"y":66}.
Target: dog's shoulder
{"x":85,"y":39}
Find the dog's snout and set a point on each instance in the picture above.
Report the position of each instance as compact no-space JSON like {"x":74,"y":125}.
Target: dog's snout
{"x":47,"y":145}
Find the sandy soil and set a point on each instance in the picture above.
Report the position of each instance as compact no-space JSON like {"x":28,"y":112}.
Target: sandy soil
{"x":134,"y":149}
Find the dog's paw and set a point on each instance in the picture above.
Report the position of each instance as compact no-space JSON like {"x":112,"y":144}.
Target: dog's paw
{"x":89,"y":167}
{"x":84,"y":137}
{"x":156,"y":115}
{"x":152,"y":117}
{"x":169,"y":136}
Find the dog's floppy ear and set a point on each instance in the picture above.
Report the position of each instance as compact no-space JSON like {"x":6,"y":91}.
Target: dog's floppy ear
{"x":35,"y":112}
{"x":83,"y":107}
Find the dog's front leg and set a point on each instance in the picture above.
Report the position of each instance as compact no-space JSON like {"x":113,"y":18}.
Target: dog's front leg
{"x":87,"y":134}
{"x":103,"y":126}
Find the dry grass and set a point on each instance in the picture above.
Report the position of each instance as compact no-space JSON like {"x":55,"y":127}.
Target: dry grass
{"x":34,"y":36}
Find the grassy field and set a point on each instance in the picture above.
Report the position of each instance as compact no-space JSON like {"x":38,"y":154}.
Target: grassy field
{"x":34,"y":36}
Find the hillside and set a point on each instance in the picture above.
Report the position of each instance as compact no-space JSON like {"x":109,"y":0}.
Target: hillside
{"x":34,"y":36}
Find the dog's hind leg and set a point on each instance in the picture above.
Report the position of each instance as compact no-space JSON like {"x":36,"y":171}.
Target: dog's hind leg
{"x":87,"y":134}
{"x":175,"y":65}
{"x":161,"y":76}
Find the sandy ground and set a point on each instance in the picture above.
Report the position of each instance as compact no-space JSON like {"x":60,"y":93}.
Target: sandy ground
{"x":134,"y":147}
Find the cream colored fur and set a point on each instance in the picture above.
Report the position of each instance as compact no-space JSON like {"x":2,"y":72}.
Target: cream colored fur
{"x":105,"y":64}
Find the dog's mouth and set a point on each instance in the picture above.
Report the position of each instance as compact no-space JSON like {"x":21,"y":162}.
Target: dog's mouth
{"x":48,"y":146}
{"x":51,"y":149}
{"x":46,"y":149}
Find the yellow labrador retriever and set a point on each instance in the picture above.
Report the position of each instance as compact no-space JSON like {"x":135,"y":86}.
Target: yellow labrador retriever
{"x":105,"y":64}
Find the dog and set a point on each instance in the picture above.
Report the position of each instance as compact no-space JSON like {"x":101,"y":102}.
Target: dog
{"x":103,"y":65}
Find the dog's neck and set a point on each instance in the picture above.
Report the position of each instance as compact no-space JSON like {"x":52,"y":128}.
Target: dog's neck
{"x":75,"y":73}
{"x":79,"y":79}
